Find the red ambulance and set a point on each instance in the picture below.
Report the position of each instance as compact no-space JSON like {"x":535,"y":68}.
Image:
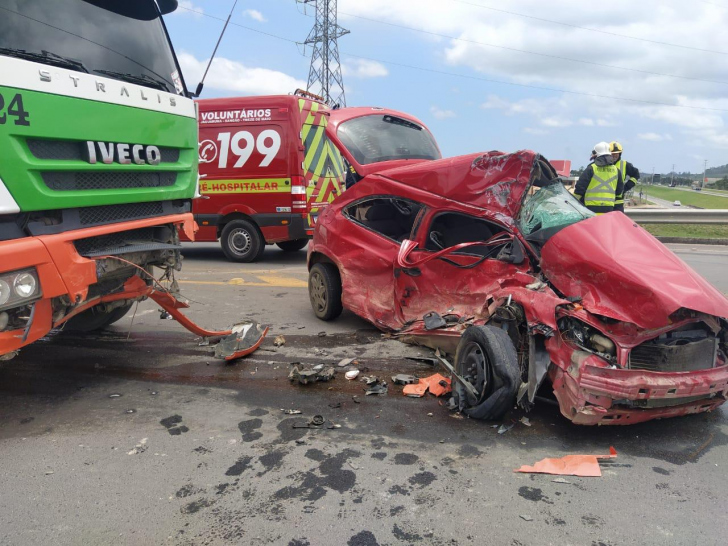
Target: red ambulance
{"x":266,"y":166}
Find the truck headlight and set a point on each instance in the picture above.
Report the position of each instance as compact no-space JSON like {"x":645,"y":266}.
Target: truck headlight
{"x":4,"y":292}
{"x":18,"y":287}
{"x":25,"y":285}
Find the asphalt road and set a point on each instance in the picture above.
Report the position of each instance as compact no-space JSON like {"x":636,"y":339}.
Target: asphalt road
{"x":139,"y":436}
{"x":703,"y":191}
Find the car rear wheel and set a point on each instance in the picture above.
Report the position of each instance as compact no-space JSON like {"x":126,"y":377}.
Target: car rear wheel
{"x":292,"y":246}
{"x":324,"y":291}
{"x":241,"y":241}
{"x":96,"y":319}
{"x":487,"y":359}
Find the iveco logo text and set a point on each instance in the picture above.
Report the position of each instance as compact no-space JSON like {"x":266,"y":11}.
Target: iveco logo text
{"x":101,"y":87}
{"x":108,"y":152}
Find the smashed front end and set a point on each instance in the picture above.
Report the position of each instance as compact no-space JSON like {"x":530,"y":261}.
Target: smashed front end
{"x":645,"y":336}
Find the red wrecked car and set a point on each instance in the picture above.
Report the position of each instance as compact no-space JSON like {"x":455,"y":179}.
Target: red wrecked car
{"x":488,"y":257}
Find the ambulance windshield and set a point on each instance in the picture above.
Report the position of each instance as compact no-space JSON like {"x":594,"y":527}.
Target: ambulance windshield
{"x":376,"y":138}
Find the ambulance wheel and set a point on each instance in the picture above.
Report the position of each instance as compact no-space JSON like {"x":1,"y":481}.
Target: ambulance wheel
{"x":96,"y":319}
{"x":487,"y":359}
{"x":241,"y":241}
{"x":292,"y":246}
{"x":324,"y":291}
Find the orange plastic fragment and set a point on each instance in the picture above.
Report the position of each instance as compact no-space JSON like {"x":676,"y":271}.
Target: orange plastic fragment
{"x":417,"y":390}
{"x":435,"y":387}
{"x":571,"y":465}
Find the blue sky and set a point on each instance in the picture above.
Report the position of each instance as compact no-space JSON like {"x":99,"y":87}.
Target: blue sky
{"x":465,"y":42}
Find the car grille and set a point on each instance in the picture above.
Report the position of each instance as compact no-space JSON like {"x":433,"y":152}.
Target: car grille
{"x":75,"y":150}
{"x":100,"y":180}
{"x":686,"y":357}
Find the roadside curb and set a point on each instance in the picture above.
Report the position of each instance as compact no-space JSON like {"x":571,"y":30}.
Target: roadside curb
{"x":693,"y":240}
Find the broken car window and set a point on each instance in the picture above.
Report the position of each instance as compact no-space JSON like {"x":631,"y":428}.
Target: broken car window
{"x":388,"y":216}
{"x":451,"y":228}
{"x":548,"y":210}
{"x":375,"y":138}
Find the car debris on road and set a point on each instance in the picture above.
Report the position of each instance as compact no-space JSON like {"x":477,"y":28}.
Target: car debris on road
{"x":570,"y":465}
{"x":307,"y":374}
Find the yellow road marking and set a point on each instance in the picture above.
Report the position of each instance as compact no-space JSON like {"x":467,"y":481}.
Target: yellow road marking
{"x":267,"y":281}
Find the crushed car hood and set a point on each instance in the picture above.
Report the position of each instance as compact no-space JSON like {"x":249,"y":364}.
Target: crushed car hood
{"x":494,"y":181}
{"x":622,"y":272}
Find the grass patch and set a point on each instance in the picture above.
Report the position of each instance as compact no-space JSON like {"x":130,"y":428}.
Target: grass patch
{"x":698,"y":231}
{"x":695,"y":198}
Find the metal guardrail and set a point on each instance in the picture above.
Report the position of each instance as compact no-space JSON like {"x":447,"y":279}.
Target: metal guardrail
{"x":681,"y":216}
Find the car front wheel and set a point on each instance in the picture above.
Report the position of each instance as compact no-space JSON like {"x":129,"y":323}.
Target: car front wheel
{"x":487,"y":359}
{"x":324,"y":291}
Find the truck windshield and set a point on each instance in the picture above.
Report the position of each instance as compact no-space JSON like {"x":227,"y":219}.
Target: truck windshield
{"x":548,"y":210}
{"x":120,"y":39}
{"x":376,"y":138}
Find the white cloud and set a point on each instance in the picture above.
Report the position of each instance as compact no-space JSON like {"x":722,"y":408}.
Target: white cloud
{"x":255,"y":15}
{"x":229,"y":75}
{"x":554,"y":121}
{"x":441,"y":114}
{"x":187,"y":7}
{"x":363,"y":68}
{"x":654,"y":137}
{"x":506,"y":33}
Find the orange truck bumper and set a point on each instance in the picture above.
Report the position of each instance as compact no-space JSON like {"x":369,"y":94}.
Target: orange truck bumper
{"x":62,"y":271}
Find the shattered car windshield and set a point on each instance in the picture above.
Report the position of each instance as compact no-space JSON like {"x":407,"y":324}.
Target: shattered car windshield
{"x":550,"y":209}
{"x":376,"y":138}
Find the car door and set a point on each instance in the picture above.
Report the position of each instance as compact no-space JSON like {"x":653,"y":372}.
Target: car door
{"x":455,"y":263}
{"x":367,"y":250}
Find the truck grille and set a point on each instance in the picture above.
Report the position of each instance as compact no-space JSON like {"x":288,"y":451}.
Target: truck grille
{"x":116,"y":213}
{"x":124,"y":242}
{"x":684,"y":356}
{"x":100,"y":180}
{"x":75,"y":150}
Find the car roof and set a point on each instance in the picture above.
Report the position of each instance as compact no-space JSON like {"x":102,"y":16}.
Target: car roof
{"x":494,"y":181}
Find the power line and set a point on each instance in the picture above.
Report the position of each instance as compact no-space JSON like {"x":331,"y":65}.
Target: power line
{"x":477,"y":78}
{"x":539,"y":87}
{"x":525,"y":16}
{"x":570,"y":59}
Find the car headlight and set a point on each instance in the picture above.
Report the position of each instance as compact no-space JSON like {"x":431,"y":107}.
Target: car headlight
{"x":18,"y":287}
{"x":587,"y":338}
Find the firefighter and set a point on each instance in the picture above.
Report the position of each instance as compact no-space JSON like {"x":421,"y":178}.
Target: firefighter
{"x":601,"y":183}
{"x":630,"y":174}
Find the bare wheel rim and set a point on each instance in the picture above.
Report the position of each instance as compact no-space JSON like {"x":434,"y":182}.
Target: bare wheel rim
{"x":318,"y":292}
{"x":476,"y":368}
{"x":240,"y":241}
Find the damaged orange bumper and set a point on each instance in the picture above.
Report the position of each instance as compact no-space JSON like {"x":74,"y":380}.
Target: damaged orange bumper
{"x":62,"y":272}
{"x":616,"y":396}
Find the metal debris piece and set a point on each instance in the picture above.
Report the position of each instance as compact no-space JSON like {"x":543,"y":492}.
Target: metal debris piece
{"x":317,"y":420}
{"x":336,"y":405}
{"x":164,"y":315}
{"x":204,"y":343}
{"x":430,"y":414}
{"x":130,"y":411}
{"x":379,"y":388}
{"x":291,"y":411}
{"x":370,"y":379}
{"x":351,"y":374}
{"x":154,"y":393}
{"x":345,"y":362}
{"x":307,"y":375}
{"x":318,"y":367}
{"x":526,"y":421}
{"x":526,"y":517}
{"x":433,"y":321}
{"x":115,"y":395}
{"x":244,"y":339}
{"x":505,"y":428}
{"x":321,"y":334}
{"x":561,"y":480}
{"x":355,"y":399}
{"x":404,"y":379}
{"x":279,"y":340}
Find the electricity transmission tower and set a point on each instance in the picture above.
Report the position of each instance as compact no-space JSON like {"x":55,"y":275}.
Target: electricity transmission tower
{"x":324,"y":76}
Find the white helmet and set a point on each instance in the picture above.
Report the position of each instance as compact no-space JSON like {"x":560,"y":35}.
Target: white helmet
{"x":602,"y":149}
